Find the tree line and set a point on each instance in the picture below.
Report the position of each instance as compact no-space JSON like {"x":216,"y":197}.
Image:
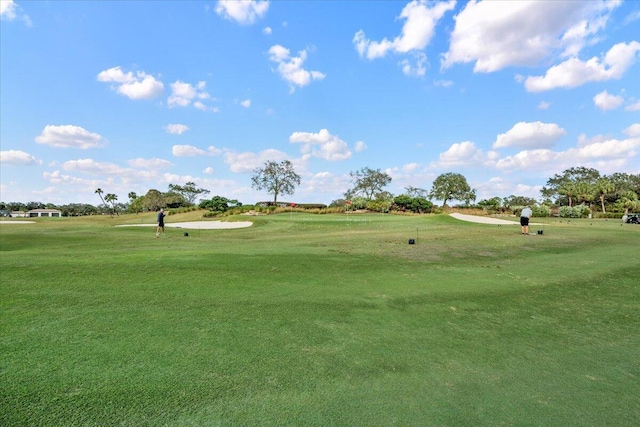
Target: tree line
{"x":577,"y":186}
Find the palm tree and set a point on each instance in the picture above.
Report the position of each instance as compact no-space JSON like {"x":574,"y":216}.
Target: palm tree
{"x":112,"y":199}
{"x":99,"y":193}
{"x":604,"y":187}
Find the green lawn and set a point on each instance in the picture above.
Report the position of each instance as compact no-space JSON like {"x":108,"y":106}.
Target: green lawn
{"x":319,"y":320}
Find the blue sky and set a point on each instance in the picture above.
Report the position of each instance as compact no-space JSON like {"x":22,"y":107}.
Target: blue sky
{"x":132,"y":96}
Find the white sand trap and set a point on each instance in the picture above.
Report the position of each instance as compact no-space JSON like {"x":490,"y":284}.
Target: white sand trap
{"x":485,"y":220}
{"x":198,"y":225}
{"x":17,"y":222}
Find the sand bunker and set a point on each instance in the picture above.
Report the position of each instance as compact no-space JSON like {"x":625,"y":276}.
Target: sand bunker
{"x":198,"y":225}
{"x":17,"y":222}
{"x":487,"y":220}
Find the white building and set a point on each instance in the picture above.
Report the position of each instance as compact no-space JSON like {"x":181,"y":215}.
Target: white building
{"x":44,"y":212}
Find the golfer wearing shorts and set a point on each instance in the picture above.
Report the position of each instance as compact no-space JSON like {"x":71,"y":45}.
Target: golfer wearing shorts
{"x":160,"y":223}
{"x":524,"y":219}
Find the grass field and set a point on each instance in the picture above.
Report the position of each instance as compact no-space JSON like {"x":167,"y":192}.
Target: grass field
{"x":319,"y":320}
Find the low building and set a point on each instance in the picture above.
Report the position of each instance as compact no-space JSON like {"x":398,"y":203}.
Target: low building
{"x":44,"y":212}
{"x":18,"y":214}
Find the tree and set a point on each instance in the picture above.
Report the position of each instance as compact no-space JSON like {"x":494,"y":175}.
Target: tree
{"x":154,"y":200}
{"x":367,"y":183}
{"x":604,"y":187}
{"x":565,"y":184}
{"x":111,"y":198}
{"x":189,"y":191}
{"x":452,"y":186}
{"x":99,"y":193}
{"x":513,"y":201}
{"x":416,"y":192}
{"x":219,"y":204}
{"x":276,"y":178}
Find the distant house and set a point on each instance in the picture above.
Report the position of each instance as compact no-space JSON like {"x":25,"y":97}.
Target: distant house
{"x":18,"y":214}
{"x":44,"y":212}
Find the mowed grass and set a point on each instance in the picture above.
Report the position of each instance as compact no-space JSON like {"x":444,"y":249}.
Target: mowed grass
{"x":319,"y":320}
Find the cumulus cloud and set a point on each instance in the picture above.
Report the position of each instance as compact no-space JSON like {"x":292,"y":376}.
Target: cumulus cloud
{"x":183,"y":94}
{"x":9,"y":10}
{"x":290,"y":67}
{"x":267,"y":30}
{"x":633,"y":106}
{"x":573,"y":72}
{"x":191,"y":151}
{"x":138,"y":86}
{"x":69,"y":136}
{"x":152,"y":163}
{"x":417,"y":32}
{"x":208,"y":170}
{"x":632,"y":131}
{"x":463,"y":154}
{"x":495,"y":35}
{"x":243,"y":12}
{"x":18,"y":158}
{"x":603,"y":153}
{"x":246,"y":103}
{"x":322,"y":145}
{"x":360,"y":146}
{"x":176,"y":129}
{"x":530,"y":135}
{"x":248,"y":161}
{"x":605,"y":101}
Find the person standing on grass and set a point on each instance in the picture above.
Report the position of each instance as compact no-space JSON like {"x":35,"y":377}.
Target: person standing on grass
{"x":160,"y":223}
{"x":525,"y":215}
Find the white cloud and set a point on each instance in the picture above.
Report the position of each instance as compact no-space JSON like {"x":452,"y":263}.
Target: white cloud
{"x":17,"y":158}
{"x":246,"y":103}
{"x":604,"y":154}
{"x":248,"y":161}
{"x":243,"y":12}
{"x":267,"y":30}
{"x":574,"y":72}
{"x":544,"y":105}
{"x":530,"y":135}
{"x":176,"y":129}
{"x":191,"y":151}
{"x":290,"y":68}
{"x":605,"y":101}
{"x":186,"y":151}
{"x":10,"y":10}
{"x":633,"y":107}
{"x":69,"y":136}
{"x":322,"y":145}
{"x":208,"y":170}
{"x":417,"y":68}
{"x":461,"y":154}
{"x":417,"y":32}
{"x":360,"y":146}
{"x":152,"y":163}
{"x":632,"y":131}
{"x":183,"y":94}
{"x":138,"y":86}
{"x":496,"y":35}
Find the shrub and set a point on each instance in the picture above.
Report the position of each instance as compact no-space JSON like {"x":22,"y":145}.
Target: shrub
{"x":541,"y":211}
{"x":580,"y":211}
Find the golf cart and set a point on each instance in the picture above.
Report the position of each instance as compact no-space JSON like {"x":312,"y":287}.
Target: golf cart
{"x":633,"y":218}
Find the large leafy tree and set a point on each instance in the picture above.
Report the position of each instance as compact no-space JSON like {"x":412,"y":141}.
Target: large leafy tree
{"x":452,"y":186}
{"x":189,"y":191}
{"x":154,"y":200}
{"x":277,"y":178}
{"x":571,"y":184}
{"x":367,"y":183}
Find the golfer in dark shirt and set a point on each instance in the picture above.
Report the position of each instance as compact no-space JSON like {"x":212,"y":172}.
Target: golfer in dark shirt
{"x":160,"y":223}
